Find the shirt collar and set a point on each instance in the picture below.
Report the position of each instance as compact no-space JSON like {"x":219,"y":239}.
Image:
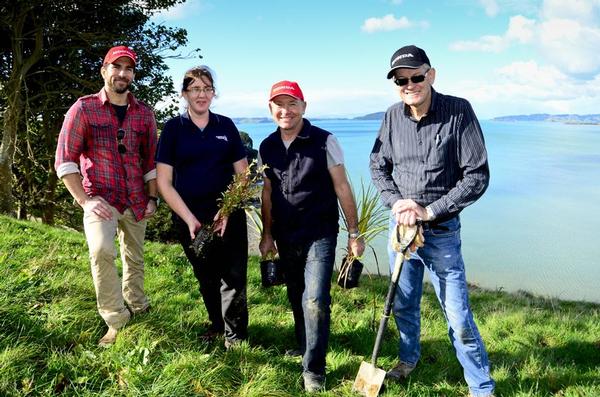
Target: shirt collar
{"x":432,"y":106}
{"x":131,"y":100}
{"x":211,"y":117}
{"x":305,"y":131}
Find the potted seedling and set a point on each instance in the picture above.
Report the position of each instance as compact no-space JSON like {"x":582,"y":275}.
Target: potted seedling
{"x":239,"y":194}
{"x":271,"y":269}
{"x":372,"y":220}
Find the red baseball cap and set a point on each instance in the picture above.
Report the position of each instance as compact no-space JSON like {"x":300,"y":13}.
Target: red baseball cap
{"x":120,"y":51}
{"x":285,"y":87}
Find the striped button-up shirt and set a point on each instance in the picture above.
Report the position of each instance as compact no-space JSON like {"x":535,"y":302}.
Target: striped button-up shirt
{"x":88,"y":144}
{"x":439,"y":161}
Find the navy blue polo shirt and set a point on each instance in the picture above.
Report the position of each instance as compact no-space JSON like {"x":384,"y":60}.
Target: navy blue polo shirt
{"x":202,"y":160}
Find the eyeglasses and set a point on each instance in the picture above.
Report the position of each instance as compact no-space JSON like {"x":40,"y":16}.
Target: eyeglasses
{"x":120,"y":135}
{"x":197,"y":90}
{"x":402,"y":81}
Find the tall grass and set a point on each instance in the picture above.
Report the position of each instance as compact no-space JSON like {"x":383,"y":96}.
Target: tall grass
{"x":49,"y":329}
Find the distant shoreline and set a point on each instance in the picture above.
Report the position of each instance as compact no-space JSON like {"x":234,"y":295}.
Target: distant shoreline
{"x":586,"y":119}
{"x":575,"y":119}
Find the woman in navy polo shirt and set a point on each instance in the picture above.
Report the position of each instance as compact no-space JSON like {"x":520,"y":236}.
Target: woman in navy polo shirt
{"x":197,"y":156}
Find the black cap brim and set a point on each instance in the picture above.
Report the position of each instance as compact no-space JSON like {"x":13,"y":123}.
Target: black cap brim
{"x":391,"y":72}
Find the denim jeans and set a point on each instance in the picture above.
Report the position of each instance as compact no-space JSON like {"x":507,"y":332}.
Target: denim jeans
{"x":308,"y":270}
{"x":442,"y":257}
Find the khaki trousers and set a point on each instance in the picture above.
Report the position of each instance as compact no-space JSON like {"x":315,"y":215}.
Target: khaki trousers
{"x":111,"y":293}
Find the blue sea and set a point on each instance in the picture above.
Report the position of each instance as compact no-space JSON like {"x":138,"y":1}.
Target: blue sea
{"x":536,"y":227}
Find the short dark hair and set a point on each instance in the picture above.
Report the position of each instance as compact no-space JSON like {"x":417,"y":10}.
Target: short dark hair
{"x":198,"y":72}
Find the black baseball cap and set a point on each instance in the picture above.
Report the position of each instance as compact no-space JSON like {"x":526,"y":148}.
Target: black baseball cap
{"x":410,"y":56}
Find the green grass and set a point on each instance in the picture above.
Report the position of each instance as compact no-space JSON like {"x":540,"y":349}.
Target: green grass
{"x":49,"y":328}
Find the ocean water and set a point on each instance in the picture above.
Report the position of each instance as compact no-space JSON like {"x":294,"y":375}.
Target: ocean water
{"x":536,"y":227}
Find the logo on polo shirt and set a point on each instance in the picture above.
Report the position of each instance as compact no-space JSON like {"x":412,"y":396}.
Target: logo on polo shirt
{"x":223,"y":137}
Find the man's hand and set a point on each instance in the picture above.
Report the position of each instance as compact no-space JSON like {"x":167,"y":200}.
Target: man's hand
{"x":98,"y":206}
{"x":151,"y":208}
{"x":356,"y":246}
{"x":407,"y":212}
{"x":267,"y":245}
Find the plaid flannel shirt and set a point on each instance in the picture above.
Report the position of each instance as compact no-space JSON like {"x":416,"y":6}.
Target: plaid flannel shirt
{"x":89,"y":137}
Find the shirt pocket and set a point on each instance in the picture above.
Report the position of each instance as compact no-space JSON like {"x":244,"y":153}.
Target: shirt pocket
{"x":103,"y":135}
{"x":442,"y":151}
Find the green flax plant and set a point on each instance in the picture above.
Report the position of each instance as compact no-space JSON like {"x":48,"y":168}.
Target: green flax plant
{"x":372,"y":221}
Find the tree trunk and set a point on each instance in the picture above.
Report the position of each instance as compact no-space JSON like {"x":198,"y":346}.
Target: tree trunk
{"x":12,"y":113}
{"x":14,"y":105}
{"x":48,"y":203}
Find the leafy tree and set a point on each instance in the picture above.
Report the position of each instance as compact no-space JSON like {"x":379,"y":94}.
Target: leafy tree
{"x":51,"y":55}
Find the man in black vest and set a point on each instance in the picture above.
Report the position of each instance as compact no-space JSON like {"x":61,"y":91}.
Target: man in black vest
{"x":304,"y":180}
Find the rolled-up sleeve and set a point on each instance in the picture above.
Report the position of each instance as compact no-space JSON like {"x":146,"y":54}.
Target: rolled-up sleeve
{"x":70,"y":141}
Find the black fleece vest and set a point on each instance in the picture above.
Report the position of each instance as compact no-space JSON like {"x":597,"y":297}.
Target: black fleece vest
{"x":304,"y":203}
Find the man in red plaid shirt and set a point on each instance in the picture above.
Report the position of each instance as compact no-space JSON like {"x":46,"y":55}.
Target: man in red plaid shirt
{"x":105,"y":157}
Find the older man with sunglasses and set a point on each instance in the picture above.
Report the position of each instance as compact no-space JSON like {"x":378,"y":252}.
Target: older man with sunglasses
{"x":105,"y":157}
{"x":429,"y":162}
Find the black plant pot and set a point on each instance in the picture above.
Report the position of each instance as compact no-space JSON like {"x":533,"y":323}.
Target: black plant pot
{"x":350,"y":273}
{"x":271,"y":272}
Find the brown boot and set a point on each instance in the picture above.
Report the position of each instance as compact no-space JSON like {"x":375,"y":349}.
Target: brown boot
{"x":109,"y":338}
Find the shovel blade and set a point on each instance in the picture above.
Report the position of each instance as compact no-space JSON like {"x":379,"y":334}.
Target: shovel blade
{"x":369,"y":380}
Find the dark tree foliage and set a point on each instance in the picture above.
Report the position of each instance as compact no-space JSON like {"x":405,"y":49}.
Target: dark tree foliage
{"x":51,"y":53}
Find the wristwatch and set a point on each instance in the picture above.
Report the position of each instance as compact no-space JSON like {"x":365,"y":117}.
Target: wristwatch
{"x":353,"y":234}
{"x":154,"y":198}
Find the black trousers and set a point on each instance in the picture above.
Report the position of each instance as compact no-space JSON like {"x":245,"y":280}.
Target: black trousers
{"x":222,"y":276}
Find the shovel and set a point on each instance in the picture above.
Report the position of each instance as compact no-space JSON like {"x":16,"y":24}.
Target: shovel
{"x":369,"y":379}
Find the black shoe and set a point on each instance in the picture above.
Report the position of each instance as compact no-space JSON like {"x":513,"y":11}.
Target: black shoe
{"x":231,"y":343}
{"x":210,"y":335}
{"x":313,"y":383}
{"x":294,"y":353}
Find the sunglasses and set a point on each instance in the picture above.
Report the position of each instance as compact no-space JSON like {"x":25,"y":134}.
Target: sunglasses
{"x":120,"y":135}
{"x":402,"y":81}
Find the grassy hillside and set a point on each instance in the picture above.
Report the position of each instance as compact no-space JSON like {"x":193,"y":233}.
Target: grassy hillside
{"x":49,"y":328}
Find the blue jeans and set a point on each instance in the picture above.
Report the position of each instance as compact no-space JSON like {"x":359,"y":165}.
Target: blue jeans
{"x":442,"y":257}
{"x":308,"y":270}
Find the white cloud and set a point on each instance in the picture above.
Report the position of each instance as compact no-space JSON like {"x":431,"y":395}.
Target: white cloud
{"x":585,"y":11}
{"x":484,"y":44}
{"x":528,"y":85}
{"x":571,"y":45}
{"x":567,"y":34}
{"x":520,"y":29}
{"x":389,"y":23}
{"x":491,"y":7}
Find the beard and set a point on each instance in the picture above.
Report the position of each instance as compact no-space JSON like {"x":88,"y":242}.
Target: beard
{"x":120,"y":89}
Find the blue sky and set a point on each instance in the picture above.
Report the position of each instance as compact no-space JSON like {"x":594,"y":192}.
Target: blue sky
{"x":504,"y":56}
